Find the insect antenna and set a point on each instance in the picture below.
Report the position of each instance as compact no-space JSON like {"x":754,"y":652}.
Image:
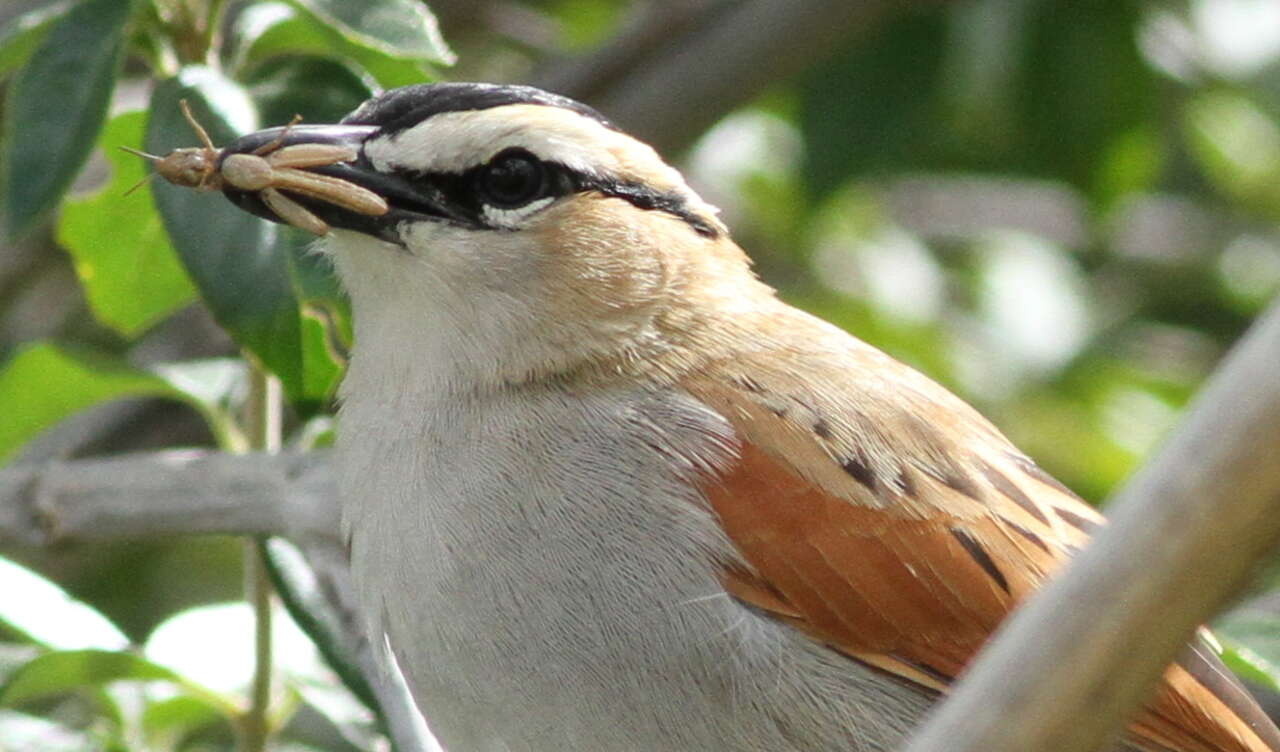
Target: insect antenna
{"x":141,"y":183}
{"x":140,"y":153}
{"x":144,"y":155}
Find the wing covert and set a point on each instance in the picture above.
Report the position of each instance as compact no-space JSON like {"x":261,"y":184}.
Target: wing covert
{"x":903,"y":542}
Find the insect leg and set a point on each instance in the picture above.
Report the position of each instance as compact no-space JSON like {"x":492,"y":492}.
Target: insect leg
{"x":294,"y":213}
{"x":201,"y":133}
{"x":274,"y":143}
{"x":333,"y":190}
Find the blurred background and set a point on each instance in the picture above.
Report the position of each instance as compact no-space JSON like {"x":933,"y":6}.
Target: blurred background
{"x":1063,"y":210}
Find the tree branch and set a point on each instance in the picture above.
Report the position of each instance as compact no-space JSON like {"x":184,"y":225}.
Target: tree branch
{"x":190,"y":493}
{"x":168,"y":493}
{"x":1072,"y":665}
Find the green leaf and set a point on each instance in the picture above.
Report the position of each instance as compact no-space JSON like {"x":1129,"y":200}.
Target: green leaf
{"x":43,"y":612}
{"x":586,"y":24}
{"x":319,"y":89}
{"x":42,"y":384}
{"x":64,"y":671}
{"x":269,"y":30}
{"x":1252,"y":638}
{"x":326,"y":316}
{"x":60,"y":672}
{"x":403,"y":28}
{"x":57,"y":106}
{"x":1250,"y":666}
{"x":15,"y":655}
{"x":168,"y":722}
{"x":20,"y":36}
{"x":233,"y":257}
{"x":121,"y":253}
{"x":1238,"y":147}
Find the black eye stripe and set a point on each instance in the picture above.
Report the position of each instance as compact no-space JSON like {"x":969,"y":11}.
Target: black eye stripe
{"x":644,"y":197}
{"x":459,"y":191}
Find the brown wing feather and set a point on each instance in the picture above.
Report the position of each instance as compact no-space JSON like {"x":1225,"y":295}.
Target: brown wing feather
{"x":903,"y":543}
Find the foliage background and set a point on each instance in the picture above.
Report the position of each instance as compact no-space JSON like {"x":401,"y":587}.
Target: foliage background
{"x":1063,"y":210}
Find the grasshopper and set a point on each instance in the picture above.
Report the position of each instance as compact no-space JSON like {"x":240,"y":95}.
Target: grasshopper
{"x":269,"y":170}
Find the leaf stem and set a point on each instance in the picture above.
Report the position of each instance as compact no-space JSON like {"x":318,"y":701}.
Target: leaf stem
{"x":262,"y":423}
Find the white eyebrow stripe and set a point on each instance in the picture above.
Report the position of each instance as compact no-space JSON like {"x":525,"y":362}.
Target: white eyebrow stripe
{"x":457,"y":141}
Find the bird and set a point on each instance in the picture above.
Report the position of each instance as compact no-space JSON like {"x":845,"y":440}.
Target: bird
{"x":603,"y":490}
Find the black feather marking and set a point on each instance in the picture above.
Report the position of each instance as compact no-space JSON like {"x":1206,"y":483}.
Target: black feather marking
{"x":958,"y":482}
{"x":822,"y":428}
{"x":644,"y":197}
{"x":857,"y":467}
{"x":980,"y":555}
{"x":1035,"y":471}
{"x":1076,"y":521}
{"x":1010,"y":489}
{"x":906,"y":483}
{"x":925,"y":668}
{"x":1025,"y":533}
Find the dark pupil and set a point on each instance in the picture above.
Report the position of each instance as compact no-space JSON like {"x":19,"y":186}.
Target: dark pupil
{"x":512,"y":180}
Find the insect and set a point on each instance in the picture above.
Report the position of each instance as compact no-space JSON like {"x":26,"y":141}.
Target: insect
{"x":269,"y":170}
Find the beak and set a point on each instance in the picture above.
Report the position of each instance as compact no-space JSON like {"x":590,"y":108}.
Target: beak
{"x":342,"y":166}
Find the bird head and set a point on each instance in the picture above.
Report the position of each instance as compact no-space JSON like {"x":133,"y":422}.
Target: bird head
{"x":522,"y":227}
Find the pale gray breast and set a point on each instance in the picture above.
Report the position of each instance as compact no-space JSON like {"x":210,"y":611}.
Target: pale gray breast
{"x":550,"y":544}
{"x":548,"y":578}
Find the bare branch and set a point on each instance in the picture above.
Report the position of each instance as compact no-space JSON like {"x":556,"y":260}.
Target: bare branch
{"x":175,"y":493}
{"x":1186,"y":532}
{"x":168,"y":493}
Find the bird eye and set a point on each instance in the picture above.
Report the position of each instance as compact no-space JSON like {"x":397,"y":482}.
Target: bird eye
{"x":512,"y":179}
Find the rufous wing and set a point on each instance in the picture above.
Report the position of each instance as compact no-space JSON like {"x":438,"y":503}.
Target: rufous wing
{"x":883,"y":517}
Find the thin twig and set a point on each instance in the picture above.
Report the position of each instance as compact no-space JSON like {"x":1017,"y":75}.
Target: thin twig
{"x":262,"y":421}
{"x":254,"y":722}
